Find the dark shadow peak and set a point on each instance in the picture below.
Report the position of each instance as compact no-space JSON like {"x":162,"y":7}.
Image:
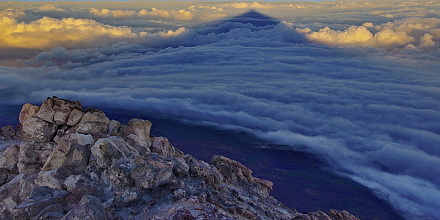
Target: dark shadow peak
{"x":255,"y":18}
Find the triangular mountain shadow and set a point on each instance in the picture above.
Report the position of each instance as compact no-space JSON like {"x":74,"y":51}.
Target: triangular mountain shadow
{"x":255,"y":18}
{"x":252,"y":17}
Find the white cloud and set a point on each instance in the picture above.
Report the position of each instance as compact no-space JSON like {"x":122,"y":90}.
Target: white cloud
{"x":49,"y":32}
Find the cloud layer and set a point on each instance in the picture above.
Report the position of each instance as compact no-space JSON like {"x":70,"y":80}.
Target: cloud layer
{"x":360,"y":90}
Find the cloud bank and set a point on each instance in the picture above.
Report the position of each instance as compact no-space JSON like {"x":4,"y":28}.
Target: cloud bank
{"x":360,"y":90}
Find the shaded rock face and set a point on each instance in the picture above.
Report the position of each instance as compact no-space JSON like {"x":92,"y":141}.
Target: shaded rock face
{"x":71,"y":163}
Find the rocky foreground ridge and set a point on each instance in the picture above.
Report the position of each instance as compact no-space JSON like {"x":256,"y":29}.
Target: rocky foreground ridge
{"x":74,"y":163}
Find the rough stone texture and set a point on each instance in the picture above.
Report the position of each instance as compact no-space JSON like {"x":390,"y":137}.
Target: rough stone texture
{"x":36,"y":129}
{"x":46,"y":111}
{"x":28,"y":111}
{"x":162,"y":146}
{"x":63,"y":109}
{"x":9,"y":158}
{"x":40,"y":198}
{"x":89,"y":208}
{"x":77,"y":164}
{"x":93,"y":122}
{"x":74,"y":117}
{"x":152,"y":171}
{"x":73,"y":151}
{"x":53,"y":178}
{"x":112,"y":151}
{"x":8,"y":132}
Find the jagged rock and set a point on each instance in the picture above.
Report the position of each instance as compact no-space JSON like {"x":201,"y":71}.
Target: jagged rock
{"x":180,"y":167}
{"x":9,"y":197}
{"x":137,"y":134}
{"x":342,"y":215}
{"x":112,"y":151}
{"x":119,"y":177}
{"x":53,"y":178}
{"x":126,"y":197}
{"x":74,"y":117}
{"x":93,"y":122}
{"x":28,"y":111}
{"x":152,"y":171}
{"x":203,"y":170}
{"x":162,"y":146}
{"x":89,"y":207}
{"x":8,"y":132}
{"x":54,"y":211}
{"x":36,"y":129}
{"x":138,"y":127}
{"x":46,"y":111}
{"x":28,"y":158}
{"x":9,"y":158}
{"x":73,"y":151}
{"x":114,"y":127}
{"x":40,"y":198}
{"x":63,"y":108}
{"x":138,"y":175}
{"x":3,"y":175}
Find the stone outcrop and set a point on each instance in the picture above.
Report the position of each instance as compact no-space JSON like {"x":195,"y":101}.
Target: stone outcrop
{"x":74,"y":163}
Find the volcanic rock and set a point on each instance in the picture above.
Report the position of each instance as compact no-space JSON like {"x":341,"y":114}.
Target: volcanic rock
{"x":71,"y":163}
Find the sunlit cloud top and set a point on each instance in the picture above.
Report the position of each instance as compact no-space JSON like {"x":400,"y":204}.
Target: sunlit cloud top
{"x":382,"y":24}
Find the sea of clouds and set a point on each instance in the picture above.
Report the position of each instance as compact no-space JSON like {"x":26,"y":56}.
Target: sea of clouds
{"x":355,"y":83}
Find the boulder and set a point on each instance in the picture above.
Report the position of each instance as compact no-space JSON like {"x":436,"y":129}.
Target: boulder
{"x":73,"y":152}
{"x":75,"y":117}
{"x":53,"y":178}
{"x":89,"y":208}
{"x":28,"y":158}
{"x":200,"y":169}
{"x":112,"y":151}
{"x":9,"y":158}
{"x":36,"y":129}
{"x":93,"y":122}
{"x":137,"y":134}
{"x":152,"y":171}
{"x":63,"y":109}
{"x":162,"y":146}
{"x":46,"y":111}
{"x":28,"y":111}
{"x":41,"y":197}
{"x":8,"y":132}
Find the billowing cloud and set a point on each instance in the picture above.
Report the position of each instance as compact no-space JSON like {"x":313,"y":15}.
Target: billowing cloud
{"x":391,"y":35}
{"x":49,"y":32}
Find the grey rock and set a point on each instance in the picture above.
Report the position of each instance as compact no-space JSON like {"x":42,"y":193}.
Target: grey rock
{"x":36,"y":129}
{"x":74,"y":117}
{"x":162,"y":146}
{"x":53,"y":178}
{"x":28,"y":111}
{"x":40,"y":198}
{"x":9,"y":158}
{"x":63,"y":109}
{"x":112,"y":151}
{"x":54,"y":211}
{"x":28,"y":158}
{"x":8,"y":132}
{"x":73,"y":151}
{"x":93,"y":122}
{"x":152,"y":171}
{"x":46,"y":111}
{"x":89,"y":208}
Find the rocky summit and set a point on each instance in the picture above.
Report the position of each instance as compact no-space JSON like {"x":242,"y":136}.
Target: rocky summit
{"x":66,"y":162}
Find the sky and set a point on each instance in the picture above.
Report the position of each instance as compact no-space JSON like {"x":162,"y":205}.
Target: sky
{"x":356,"y":83}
